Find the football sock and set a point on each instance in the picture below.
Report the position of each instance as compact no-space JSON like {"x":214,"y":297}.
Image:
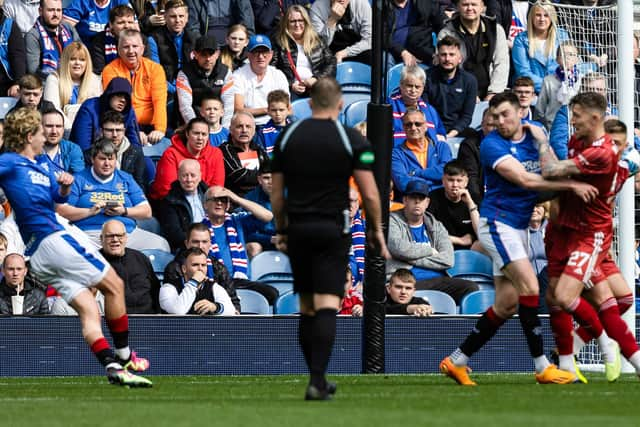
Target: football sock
{"x":104,"y":354}
{"x":119,"y":329}
{"x":635,"y":361}
{"x":566,"y":362}
{"x":586,"y":316}
{"x":530,"y":323}
{"x":540,"y":363}
{"x":323,"y":333}
{"x":562,"y":328}
{"x":304,"y":336}
{"x":485,"y":328}
{"x":617,"y":329}
{"x":583,"y":336}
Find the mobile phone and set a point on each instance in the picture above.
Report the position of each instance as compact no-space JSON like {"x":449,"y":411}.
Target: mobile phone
{"x":112,"y":204}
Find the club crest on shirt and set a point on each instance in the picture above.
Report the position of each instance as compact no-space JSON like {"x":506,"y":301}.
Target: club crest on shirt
{"x":39,"y":179}
{"x":88,"y":187}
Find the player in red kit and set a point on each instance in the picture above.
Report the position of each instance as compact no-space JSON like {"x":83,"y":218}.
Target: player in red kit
{"x":579,"y":238}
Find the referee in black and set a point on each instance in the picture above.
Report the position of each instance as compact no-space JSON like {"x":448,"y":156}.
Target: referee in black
{"x":312,"y":163}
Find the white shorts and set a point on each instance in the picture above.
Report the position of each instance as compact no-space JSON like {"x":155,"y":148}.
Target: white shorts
{"x":504,"y":243}
{"x":69,"y":262}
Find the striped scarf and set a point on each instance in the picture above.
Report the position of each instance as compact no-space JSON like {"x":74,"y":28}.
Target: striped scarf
{"x":50,"y":52}
{"x":110,"y":47}
{"x":239,"y":260}
{"x":358,"y":240}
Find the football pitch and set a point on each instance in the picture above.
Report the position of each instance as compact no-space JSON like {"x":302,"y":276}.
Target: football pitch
{"x":262,"y":401}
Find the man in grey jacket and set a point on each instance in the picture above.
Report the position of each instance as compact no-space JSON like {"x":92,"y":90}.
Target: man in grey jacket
{"x":420,"y":243}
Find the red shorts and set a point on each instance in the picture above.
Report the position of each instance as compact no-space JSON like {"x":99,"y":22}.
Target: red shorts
{"x":580,"y":255}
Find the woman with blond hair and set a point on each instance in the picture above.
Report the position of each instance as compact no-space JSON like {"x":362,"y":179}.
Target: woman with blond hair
{"x":534,"y":50}
{"x":73,"y":83}
{"x":300,"y":53}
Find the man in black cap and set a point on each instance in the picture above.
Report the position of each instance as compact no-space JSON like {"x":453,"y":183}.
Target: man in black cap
{"x":420,"y":243}
{"x":205,"y":73}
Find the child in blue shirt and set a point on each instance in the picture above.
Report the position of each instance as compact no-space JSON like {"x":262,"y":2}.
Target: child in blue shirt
{"x":279,"y":109}
{"x":212,"y":110}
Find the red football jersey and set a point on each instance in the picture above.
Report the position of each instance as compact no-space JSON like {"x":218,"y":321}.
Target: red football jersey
{"x":598,"y":165}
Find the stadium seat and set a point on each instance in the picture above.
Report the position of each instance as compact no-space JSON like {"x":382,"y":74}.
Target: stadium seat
{"x":6,"y":104}
{"x":283,"y":286}
{"x":150,"y":224}
{"x":301,"y":109}
{"x":351,"y":98}
{"x":440,"y":302}
{"x":159,"y":260}
{"x":354,"y":76}
{"x":356,"y":113}
{"x":471,"y":265}
{"x":477,"y":302}
{"x":269,"y":263}
{"x":155,"y":151}
{"x":252,"y":302}
{"x":287,"y":304}
{"x":478,"y":111}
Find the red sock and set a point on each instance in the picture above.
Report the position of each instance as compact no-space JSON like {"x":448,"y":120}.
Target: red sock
{"x":562,"y":327}
{"x":494,"y":318}
{"x":584,"y":334}
{"x":616,"y":327}
{"x":624,"y":303}
{"x":99,"y":345}
{"x":586,"y":316}
{"x":102,"y":351}
{"x":119,"y":329}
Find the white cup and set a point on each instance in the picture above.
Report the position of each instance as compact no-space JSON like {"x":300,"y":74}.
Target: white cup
{"x":16,"y":302}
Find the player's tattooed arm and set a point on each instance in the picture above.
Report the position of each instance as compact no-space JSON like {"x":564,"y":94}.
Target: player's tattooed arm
{"x":553,"y":168}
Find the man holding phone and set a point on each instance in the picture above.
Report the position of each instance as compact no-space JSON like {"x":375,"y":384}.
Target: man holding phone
{"x":102,"y":192}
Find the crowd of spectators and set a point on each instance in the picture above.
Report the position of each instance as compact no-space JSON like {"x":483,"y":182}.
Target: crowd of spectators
{"x":211,"y":85}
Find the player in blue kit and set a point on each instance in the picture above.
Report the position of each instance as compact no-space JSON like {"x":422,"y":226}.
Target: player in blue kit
{"x":509,"y":157}
{"x":63,"y":257}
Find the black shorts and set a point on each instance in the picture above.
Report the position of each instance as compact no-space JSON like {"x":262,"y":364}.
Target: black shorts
{"x":319,"y":255}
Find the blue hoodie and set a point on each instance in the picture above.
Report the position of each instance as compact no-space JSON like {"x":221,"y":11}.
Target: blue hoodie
{"x":86,"y":126}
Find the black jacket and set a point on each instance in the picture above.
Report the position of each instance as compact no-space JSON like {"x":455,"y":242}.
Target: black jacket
{"x":173,"y":275}
{"x":141,"y":286}
{"x":237,"y":178}
{"x":16,"y":57}
{"x":201,"y":83}
{"x":167,"y":50}
{"x":323,"y":62}
{"x":392,"y":307}
{"x":469,"y":156}
{"x":175,"y":214}
{"x":428,"y":19}
{"x":35,"y":297}
{"x":454,"y":100}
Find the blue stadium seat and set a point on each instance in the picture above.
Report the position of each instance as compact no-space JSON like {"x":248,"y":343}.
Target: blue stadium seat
{"x":478,"y":111}
{"x":252,"y":302}
{"x":269,"y":262}
{"x":471,"y":265}
{"x":454,"y":144}
{"x":6,"y":104}
{"x":441,"y":303}
{"x":159,"y":260}
{"x":351,"y":98}
{"x":283,"y":286}
{"x":355,"y":113}
{"x":150,"y":224}
{"x":287,"y":304}
{"x":354,"y":76}
{"x":477,"y":302}
{"x":155,"y":151}
{"x":301,"y":109}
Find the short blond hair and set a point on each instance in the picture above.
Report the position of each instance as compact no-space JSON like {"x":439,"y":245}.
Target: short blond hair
{"x":18,"y":125}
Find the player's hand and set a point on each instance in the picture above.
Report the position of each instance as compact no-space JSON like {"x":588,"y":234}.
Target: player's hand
{"x":538,"y":134}
{"x":586,"y":192}
{"x":205,"y":306}
{"x":356,"y":310}
{"x":376,"y":241}
{"x":281,"y":242}
{"x":155,"y":136}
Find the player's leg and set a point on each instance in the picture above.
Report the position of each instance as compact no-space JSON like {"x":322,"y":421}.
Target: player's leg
{"x":115,"y":313}
{"x":504,"y":306}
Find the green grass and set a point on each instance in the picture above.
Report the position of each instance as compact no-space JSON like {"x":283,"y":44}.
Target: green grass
{"x":262,"y":401}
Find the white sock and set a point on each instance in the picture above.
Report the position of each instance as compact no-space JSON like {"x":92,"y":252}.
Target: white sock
{"x":607,"y":350}
{"x":459,"y":358}
{"x":113,"y":365}
{"x":578,"y":344}
{"x":635,"y":361}
{"x":540,"y":363}
{"x":123,"y":353}
{"x":566,"y":363}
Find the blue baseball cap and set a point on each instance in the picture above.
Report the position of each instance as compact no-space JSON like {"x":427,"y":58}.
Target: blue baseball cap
{"x":417,"y":187}
{"x":259,"y":40}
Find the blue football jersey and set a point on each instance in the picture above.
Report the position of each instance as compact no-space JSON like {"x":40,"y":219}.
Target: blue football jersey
{"x":505,"y":201}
